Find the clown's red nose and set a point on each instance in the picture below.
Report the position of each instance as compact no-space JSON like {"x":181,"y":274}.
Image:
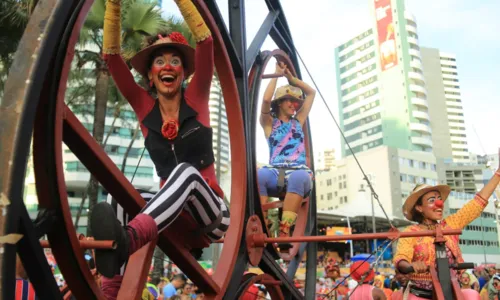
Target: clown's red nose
{"x":439,"y":203}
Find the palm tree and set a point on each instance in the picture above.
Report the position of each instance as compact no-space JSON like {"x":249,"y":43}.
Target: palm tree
{"x":14,"y":16}
{"x":140,"y":18}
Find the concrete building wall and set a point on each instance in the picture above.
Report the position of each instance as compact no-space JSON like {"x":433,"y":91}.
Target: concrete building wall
{"x":437,"y":103}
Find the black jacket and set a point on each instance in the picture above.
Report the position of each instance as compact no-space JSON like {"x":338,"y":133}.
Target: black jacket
{"x":192,"y":145}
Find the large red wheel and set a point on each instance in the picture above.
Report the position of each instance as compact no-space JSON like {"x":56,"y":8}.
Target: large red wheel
{"x":54,"y":123}
{"x":256,"y":75}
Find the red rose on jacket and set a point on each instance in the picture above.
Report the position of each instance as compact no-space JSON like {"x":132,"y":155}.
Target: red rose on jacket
{"x":170,"y":129}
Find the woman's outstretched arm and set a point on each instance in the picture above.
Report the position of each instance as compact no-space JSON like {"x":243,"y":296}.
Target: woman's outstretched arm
{"x":309,"y":93}
{"x":266,"y":120}
{"x":138,"y":98}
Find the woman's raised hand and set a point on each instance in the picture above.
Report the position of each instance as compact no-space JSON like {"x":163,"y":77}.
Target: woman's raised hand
{"x":280,"y":68}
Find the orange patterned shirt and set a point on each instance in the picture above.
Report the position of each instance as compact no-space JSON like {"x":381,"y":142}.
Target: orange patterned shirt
{"x":423,"y":249}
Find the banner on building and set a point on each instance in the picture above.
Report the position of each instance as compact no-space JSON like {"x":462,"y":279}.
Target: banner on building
{"x":338,"y":231}
{"x":386,"y":35}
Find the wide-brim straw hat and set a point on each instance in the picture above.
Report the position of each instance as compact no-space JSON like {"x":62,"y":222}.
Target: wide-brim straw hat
{"x":418,"y":192}
{"x":142,"y":59}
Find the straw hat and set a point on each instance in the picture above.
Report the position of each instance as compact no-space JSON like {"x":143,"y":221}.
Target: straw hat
{"x":359,"y":269}
{"x":419,"y":191}
{"x":175,"y":40}
{"x":288,"y":92}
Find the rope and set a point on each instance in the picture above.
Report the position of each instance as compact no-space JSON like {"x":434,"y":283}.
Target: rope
{"x":138,"y":163}
{"x":365,"y":177}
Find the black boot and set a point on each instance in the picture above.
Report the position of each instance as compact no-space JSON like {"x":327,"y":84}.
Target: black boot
{"x":105,"y":226}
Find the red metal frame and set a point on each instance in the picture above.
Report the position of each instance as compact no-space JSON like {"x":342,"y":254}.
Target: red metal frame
{"x":68,"y":128}
{"x":268,"y":281}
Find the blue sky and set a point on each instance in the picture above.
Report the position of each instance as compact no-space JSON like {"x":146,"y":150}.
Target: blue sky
{"x":468,"y":29}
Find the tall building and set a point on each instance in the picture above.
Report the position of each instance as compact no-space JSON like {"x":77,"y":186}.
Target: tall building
{"x":218,"y":121}
{"x":446,"y":111}
{"x":381,"y":86}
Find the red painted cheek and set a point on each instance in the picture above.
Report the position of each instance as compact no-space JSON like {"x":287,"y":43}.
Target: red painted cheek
{"x":156,"y":70}
{"x":296,"y":105}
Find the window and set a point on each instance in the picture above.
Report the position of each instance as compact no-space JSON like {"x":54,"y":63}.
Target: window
{"x":328,"y":182}
{"x":340,"y":185}
{"x":344,"y":185}
{"x":321,"y":197}
{"x":329,"y":196}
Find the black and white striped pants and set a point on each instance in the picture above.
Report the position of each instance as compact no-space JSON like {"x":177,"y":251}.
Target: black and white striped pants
{"x":186,"y":189}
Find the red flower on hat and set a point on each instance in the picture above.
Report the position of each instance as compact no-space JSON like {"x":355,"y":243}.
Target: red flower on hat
{"x":177,"y":37}
{"x":170,"y":129}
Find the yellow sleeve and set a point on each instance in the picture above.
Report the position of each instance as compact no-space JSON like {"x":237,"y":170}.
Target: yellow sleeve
{"x":468,"y":213}
{"x":111,"y":40}
{"x":194,"y":20}
{"x":405,"y":247}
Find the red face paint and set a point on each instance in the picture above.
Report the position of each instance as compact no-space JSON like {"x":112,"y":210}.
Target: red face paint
{"x":296,"y":105}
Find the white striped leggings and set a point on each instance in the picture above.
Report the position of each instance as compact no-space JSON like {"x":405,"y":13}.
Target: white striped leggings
{"x":185,"y":188}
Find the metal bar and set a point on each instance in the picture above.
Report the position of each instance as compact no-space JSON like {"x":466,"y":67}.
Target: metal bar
{"x":363,"y":236}
{"x":34,"y":260}
{"x":228,"y":42}
{"x":137,"y":267}
{"x":268,"y":76}
{"x":86,"y":244}
{"x":269,"y":266}
{"x":259,"y":38}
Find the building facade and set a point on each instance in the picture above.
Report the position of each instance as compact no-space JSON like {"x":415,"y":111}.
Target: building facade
{"x":446,"y":110}
{"x":380,"y":84}
{"x":325,"y":159}
{"x":218,"y":121}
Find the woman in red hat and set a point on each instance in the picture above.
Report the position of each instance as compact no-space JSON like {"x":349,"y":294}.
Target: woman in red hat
{"x":363,"y":274}
{"x":176,"y":127}
{"x":283,"y":119}
{"x":425,"y":206}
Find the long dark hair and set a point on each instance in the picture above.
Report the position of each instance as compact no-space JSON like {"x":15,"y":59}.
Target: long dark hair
{"x":417,"y":216}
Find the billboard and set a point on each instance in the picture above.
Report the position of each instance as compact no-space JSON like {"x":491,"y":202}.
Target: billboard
{"x":338,"y":231}
{"x":386,"y":35}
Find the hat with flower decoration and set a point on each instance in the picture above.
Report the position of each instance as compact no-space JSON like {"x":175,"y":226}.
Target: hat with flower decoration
{"x":175,"y":40}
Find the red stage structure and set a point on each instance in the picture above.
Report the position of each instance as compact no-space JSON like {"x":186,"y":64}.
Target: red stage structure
{"x":33,"y":106}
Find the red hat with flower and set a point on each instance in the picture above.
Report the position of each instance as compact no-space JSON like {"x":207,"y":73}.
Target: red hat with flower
{"x":361,"y":270}
{"x":174,"y":40}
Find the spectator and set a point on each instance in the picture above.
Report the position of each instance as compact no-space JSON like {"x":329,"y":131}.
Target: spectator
{"x":178,"y":282}
{"x":186,"y":291}
{"x":24,"y":289}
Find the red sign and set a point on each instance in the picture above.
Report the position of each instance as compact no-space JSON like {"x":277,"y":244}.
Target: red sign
{"x":386,"y":35}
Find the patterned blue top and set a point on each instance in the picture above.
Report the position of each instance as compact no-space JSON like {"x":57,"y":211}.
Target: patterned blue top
{"x":286,"y":144}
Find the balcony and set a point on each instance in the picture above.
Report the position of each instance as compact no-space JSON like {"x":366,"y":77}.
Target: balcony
{"x":419,"y":102}
{"x":419,"y":127}
{"x":422,"y":141}
{"x":418,"y":89}
{"x":412,"y":40}
{"x":411,"y":28}
{"x":414,"y":53}
{"x":416,"y":64}
{"x":421,"y":115}
{"x":416,"y":76}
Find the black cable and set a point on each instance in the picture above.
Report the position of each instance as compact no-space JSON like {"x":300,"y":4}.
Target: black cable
{"x":375,"y":195}
{"x":138,"y":163}
{"x":365,"y":260}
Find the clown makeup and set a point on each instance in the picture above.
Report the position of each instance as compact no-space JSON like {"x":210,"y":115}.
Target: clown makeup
{"x":288,"y":107}
{"x":431,"y":207}
{"x":167,"y":73}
